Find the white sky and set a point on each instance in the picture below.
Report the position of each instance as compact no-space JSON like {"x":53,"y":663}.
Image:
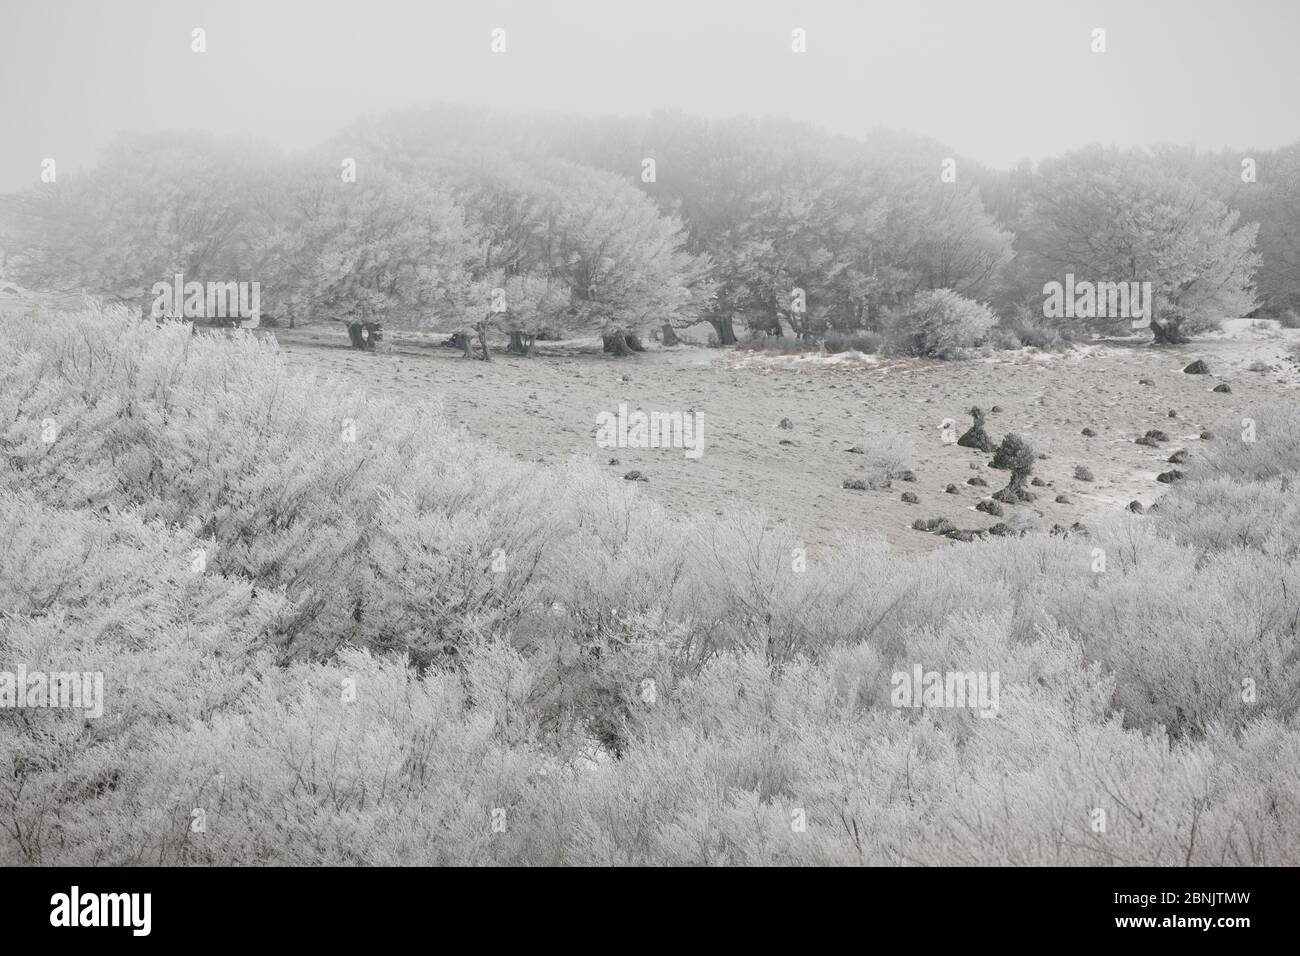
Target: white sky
{"x":997,"y":80}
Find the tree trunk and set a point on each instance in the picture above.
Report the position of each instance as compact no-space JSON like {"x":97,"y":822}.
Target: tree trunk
{"x":460,"y":340}
{"x":616,"y":342}
{"x":520,"y":343}
{"x":354,"y":333}
{"x":670,"y":335}
{"x":722,"y":325}
{"x":481,"y":330}
{"x":634,"y":343}
{"x":1168,"y":333}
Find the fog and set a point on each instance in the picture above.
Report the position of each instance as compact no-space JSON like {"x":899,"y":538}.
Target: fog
{"x":997,"y":81}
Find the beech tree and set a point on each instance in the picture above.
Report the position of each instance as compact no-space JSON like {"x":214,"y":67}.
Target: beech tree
{"x":381,"y":248}
{"x":560,"y":224}
{"x":534,"y":305}
{"x":626,"y":264}
{"x":1107,"y":215}
{"x":1273,"y":200}
{"x":858,"y":228}
{"x":154,"y":205}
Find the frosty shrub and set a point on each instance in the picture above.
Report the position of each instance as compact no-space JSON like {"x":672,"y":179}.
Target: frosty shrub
{"x":1220,"y":514}
{"x":866,"y":341}
{"x":1263,"y":443}
{"x":408,"y":648}
{"x":886,"y":455}
{"x":940,"y":324}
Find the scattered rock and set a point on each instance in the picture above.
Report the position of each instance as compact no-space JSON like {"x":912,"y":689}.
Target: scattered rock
{"x":785,"y":441}
{"x":1037,"y":482}
{"x":1197,"y":368}
{"x":855,"y":484}
{"x":976,"y":436}
{"x":989,"y":508}
{"x":977,"y":481}
{"x":1178,"y":457}
{"x":1062,"y":499}
{"x":786,"y":424}
{"x":1089,"y":433}
{"x":615,"y":461}
{"x":1001,"y":530}
{"x":1207,"y":435}
{"x":1153,"y":438}
{"x":996,"y":408}
{"x":1145,"y":381}
{"x":910,"y":498}
{"x":1172,"y":413}
{"x":1136,"y":507}
{"x":907,"y":475}
{"x":1083,"y":473}
{"x":855,"y":450}
{"x":937,"y":525}
{"x":1223,"y":387}
{"x":952,"y":490}
{"x":1169,"y":477}
{"x":635,"y":476}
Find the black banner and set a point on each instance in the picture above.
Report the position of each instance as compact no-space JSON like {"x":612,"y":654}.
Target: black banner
{"x":947,"y":907}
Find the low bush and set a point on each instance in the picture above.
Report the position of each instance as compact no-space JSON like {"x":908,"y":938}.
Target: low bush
{"x":779,"y":345}
{"x":865,"y":341}
{"x":886,"y":456}
{"x":940,"y":324}
{"x":1030,"y":330}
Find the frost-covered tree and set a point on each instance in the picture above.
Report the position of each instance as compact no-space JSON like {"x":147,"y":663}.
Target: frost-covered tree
{"x":533,"y":305}
{"x":626,"y":264}
{"x":154,"y":205}
{"x":1107,"y":215}
{"x":381,"y":248}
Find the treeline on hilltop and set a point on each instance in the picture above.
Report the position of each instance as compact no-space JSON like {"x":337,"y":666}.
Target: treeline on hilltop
{"x":467,"y":221}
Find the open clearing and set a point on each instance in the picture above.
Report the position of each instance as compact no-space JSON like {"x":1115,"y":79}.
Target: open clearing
{"x":544,"y":407}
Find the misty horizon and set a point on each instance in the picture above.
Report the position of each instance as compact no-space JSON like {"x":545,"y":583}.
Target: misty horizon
{"x":998,"y":85}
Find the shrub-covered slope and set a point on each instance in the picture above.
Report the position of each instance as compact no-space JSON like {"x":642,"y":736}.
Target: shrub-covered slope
{"x":332,"y":630}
